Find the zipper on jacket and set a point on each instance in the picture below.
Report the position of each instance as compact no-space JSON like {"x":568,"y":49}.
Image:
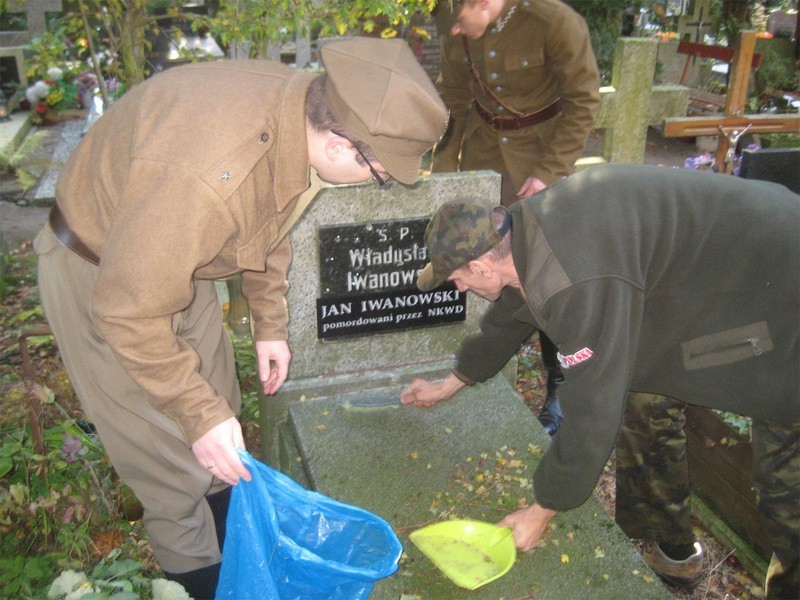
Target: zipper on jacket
{"x":753,"y":342}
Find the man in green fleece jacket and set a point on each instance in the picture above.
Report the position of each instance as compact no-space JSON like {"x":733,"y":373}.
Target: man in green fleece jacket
{"x":659,"y":287}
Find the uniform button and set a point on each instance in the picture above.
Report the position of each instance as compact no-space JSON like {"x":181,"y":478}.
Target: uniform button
{"x":503,"y":140}
{"x":492,"y":53}
{"x":493,"y":76}
{"x":498,"y":89}
{"x":500,"y":109}
{"x":524,"y":63}
{"x":263,"y":138}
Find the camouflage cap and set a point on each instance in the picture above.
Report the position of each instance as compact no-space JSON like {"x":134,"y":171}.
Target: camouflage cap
{"x":460,"y":231}
{"x":381,"y":95}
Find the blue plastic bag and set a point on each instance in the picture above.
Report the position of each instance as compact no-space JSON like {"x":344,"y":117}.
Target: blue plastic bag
{"x":284,"y":542}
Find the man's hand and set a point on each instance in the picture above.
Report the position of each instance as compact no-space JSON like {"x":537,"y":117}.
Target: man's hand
{"x":422,"y":392}
{"x":216,"y":451}
{"x":528,"y":525}
{"x":530,"y":187}
{"x":273,"y":364}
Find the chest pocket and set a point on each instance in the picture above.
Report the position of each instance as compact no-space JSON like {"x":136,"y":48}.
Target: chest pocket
{"x":520,"y":61}
{"x":727,"y":347}
{"x":252,"y":256}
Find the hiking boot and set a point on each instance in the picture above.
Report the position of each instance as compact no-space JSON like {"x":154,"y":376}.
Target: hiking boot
{"x":685,"y":573}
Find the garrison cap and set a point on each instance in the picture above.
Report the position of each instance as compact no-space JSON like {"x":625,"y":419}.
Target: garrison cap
{"x":380,"y":95}
{"x":460,"y":231}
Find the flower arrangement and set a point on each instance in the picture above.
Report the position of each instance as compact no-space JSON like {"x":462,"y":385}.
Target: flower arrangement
{"x":666,"y":36}
{"x":49,"y":96}
{"x":707,"y":162}
{"x":703,"y":162}
{"x":87,"y":85}
{"x":417,"y":38}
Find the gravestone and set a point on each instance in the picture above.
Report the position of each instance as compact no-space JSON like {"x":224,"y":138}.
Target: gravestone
{"x":360,"y":332}
{"x":677,"y":68}
{"x":35,"y":14}
{"x":355,"y":312}
{"x":696,"y":21}
{"x":783,"y":24}
{"x":12,"y":57}
{"x":779,"y":165}
{"x":632,"y":103}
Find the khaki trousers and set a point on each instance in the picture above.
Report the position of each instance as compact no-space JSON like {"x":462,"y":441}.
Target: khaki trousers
{"x":146,"y":447}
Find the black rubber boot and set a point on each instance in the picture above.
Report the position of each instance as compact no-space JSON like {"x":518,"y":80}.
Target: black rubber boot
{"x":219,"y":503}
{"x":200,"y":584}
{"x":551,"y":416}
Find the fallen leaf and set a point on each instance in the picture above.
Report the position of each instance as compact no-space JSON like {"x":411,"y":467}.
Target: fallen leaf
{"x":565,"y":558}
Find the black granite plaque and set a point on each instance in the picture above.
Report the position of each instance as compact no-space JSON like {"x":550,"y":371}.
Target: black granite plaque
{"x":368,"y":274}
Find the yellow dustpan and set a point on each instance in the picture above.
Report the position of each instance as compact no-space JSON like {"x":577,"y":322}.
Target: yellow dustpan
{"x":470,"y":553}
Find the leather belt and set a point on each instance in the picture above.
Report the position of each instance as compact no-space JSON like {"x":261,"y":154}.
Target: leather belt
{"x":521,"y":121}
{"x":59,"y":226}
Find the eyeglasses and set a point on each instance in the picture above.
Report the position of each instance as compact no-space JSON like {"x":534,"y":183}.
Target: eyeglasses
{"x":381,"y":181}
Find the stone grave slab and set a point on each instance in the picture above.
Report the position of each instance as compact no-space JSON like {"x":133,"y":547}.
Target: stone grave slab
{"x":471,"y":457}
{"x":369,"y":222}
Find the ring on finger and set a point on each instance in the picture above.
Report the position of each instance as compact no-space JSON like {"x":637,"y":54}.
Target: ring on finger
{"x":211,"y":467}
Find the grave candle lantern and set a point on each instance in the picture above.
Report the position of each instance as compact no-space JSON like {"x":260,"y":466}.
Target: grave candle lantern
{"x":4,"y":116}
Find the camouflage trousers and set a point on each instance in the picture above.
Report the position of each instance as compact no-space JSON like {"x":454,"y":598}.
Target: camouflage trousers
{"x":653,"y":489}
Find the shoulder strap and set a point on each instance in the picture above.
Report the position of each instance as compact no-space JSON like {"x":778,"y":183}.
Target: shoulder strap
{"x":481,"y":83}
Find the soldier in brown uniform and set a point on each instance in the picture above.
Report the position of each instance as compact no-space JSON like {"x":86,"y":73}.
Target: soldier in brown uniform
{"x":523,"y":89}
{"x":195,"y":175}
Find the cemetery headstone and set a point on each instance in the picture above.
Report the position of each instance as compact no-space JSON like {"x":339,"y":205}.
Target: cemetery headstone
{"x":36,"y":14}
{"x":12,"y":58}
{"x":356,"y":252}
{"x":632,"y":103}
{"x":783,"y":24}
{"x":780,"y":165}
{"x":695,"y":21}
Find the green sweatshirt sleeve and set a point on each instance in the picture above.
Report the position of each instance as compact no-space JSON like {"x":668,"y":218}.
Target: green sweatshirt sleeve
{"x":503,"y":328}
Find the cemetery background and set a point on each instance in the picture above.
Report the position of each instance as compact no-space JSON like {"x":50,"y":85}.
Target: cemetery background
{"x":23,"y":213}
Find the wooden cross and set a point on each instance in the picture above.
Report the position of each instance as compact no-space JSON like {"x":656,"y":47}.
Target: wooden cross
{"x":729,"y":125}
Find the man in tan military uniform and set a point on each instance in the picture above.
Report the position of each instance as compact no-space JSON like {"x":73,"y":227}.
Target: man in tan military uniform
{"x":523,"y":89}
{"x":528,"y":108}
{"x":195,"y":175}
